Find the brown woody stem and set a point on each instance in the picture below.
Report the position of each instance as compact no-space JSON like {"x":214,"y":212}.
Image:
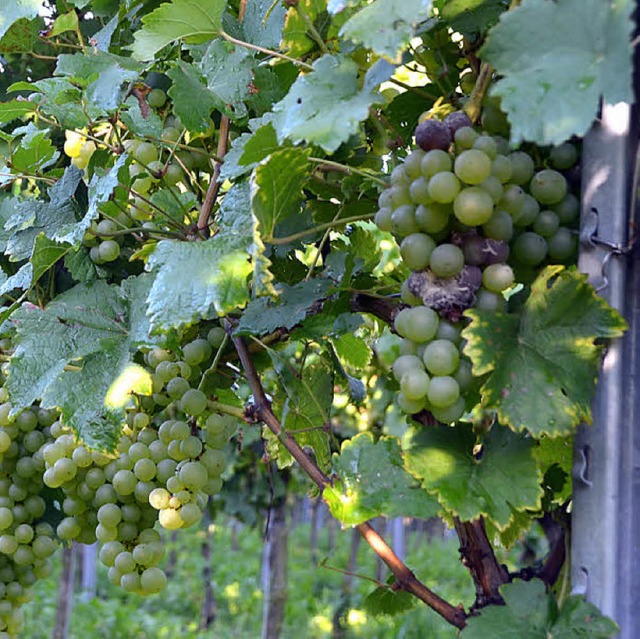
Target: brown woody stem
{"x":405,"y":578}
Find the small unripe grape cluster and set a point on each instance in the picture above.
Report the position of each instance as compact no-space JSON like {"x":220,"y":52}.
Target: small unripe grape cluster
{"x":26,"y":540}
{"x":472,"y":218}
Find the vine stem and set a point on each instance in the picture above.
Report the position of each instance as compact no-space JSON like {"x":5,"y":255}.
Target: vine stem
{"x":214,"y":185}
{"x":270,"y":52}
{"x":473,"y":107}
{"x":320,"y":227}
{"x":344,"y":168}
{"x":405,"y":578}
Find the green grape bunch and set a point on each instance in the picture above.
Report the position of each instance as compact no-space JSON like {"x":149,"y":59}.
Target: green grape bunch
{"x":473,"y":219}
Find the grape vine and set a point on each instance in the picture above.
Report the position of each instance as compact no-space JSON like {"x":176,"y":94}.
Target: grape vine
{"x":350,"y":229}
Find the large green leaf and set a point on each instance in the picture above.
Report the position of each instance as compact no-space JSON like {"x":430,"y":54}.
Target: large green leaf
{"x":468,"y":483}
{"x":372,"y":482}
{"x":324,"y":107}
{"x":197,"y":280}
{"x":532,"y":613}
{"x":543,"y":364}
{"x":192,"y":100}
{"x":263,"y":23}
{"x":195,"y":20}
{"x":276,"y":188}
{"x":264,"y":315}
{"x":557,"y":59}
{"x":15,"y":109}
{"x":228,"y":71}
{"x":386,"y":26}
{"x":76,"y":355}
{"x":304,"y":400}
{"x":16,"y":9}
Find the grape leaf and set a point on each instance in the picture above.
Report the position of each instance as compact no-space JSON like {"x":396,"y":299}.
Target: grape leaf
{"x":263,"y":23}
{"x":295,"y":39}
{"x":373,"y":482}
{"x":33,"y":217}
{"x":324,"y":107}
{"x":228,"y":71}
{"x":505,"y":475}
{"x":64,"y":22}
{"x":15,"y":109}
{"x":264,"y":315}
{"x":15,"y":10}
{"x":249,"y":149}
{"x":543,"y":364}
{"x":352,"y":350}
{"x":276,"y":188}
{"x":101,"y":189}
{"x":531,"y":613}
{"x":192,"y":100}
{"x":560,"y":58}
{"x":104,"y":76}
{"x":305,"y":406}
{"x":63,"y":102}
{"x":46,"y":253}
{"x":472,"y":16}
{"x":72,"y":354}
{"x":386,"y":26}
{"x":22,"y":37}
{"x":386,"y":601}
{"x":35,"y":153}
{"x":197,"y":280}
{"x":195,"y":20}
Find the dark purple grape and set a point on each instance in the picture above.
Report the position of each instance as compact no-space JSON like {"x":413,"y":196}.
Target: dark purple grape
{"x":456,"y":120}
{"x":482,"y":251}
{"x":433,"y":134}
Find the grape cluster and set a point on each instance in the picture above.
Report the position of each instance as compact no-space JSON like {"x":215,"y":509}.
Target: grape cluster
{"x":27,"y":540}
{"x":472,"y":218}
{"x":167,"y":465}
{"x":159,"y":172}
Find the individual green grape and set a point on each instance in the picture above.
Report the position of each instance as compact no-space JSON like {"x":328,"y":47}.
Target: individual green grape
{"x":548,"y":186}
{"x":473,"y":206}
{"x":490,"y":301}
{"x":498,"y":277}
{"x":563,"y":156}
{"x":410,"y":406}
{"x":416,"y":250}
{"x":194,"y":402}
{"x":108,"y":251}
{"x":563,"y":245}
{"x":419,"y":191}
{"x":414,"y":384}
{"x":465,"y":137}
{"x":567,"y":209}
{"x":472,"y":166}
{"x":528,"y":211}
{"x":406,"y":363}
{"x":449,"y":414}
{"x":196,"y":351}
{"x":419,"y":323}
{"x":146,"y":153}
{"x":487,"y":145}
{"x":530,"y":248}
{"x":432,"y":218}
{"x":412,"y":164}
{"x":170,"y":519}
{"x":403,"y":221}
{"x":156,"y":98}
{"x":446,"y":260}
{"x":153,"y":580}
{"x":443,"y":391}
{"x":546,"y":224}
{"x":502,"y":168}
{"x":499,"y":226}
{"x":522,"y":167}
{"x":443,"y":187}
{"x":435,"y":161}
{"x":441,"y":357}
